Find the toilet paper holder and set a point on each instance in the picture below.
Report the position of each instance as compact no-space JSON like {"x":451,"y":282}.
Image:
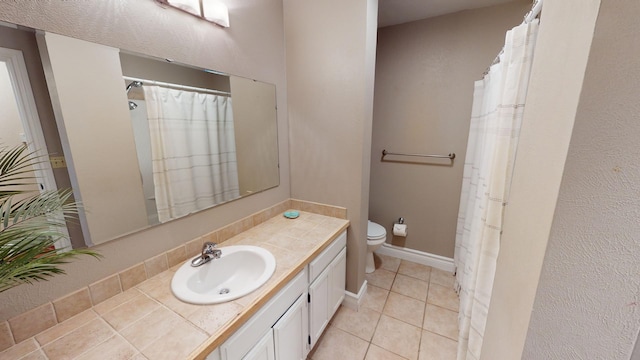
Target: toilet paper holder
{"x":400,"y":228}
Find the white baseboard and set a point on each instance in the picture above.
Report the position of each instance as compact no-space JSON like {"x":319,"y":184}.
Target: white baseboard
{"x":353,"y":301}
{"x":436,"y":261}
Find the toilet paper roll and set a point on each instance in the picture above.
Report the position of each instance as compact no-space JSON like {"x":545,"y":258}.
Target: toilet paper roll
{"x":400,"y":230}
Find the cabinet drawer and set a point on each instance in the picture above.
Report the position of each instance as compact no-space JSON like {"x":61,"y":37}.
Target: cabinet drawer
{"x":325,"y":257}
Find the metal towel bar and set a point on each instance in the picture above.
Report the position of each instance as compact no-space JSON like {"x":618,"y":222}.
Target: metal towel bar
{"x":451,"y":156}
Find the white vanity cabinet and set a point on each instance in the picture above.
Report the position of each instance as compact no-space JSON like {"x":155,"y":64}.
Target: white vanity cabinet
{"x":287,"y":327}
{"x":327,"y":285}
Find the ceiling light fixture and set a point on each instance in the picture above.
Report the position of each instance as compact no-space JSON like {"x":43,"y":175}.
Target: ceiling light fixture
{"x":210,"y":10}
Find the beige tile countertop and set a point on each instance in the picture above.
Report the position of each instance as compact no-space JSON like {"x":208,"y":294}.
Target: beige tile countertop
{"x":148,"y":322}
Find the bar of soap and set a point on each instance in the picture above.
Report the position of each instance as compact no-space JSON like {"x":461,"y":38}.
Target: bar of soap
{"x":291,"y":214}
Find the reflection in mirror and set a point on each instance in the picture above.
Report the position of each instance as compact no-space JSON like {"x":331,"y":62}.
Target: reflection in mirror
{"x":148,"y":141}
{"x":26,"y":87}
{"x":185,"y":133}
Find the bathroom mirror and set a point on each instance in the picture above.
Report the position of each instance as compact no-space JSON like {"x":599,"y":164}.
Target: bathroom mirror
{"x":147,"y":141}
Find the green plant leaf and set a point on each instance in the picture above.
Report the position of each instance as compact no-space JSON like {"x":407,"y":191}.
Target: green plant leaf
{"x":31,"y":222}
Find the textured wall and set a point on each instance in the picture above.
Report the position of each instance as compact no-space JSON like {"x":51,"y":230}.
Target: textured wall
{"x":330,"y":70}
{"x":423,"y":93}
{"x":566,"y":32}
{"x":252,"y":47}
{"x":588,"y":301}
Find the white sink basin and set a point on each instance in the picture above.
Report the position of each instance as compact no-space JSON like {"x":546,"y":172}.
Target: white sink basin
{"x":239,"y":270}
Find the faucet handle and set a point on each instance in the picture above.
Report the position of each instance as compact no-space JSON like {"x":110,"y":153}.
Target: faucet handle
{"x":208,"y":247}
{"x":209,"y":250}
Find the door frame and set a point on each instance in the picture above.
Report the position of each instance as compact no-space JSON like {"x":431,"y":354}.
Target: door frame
{"x":31,"y":124}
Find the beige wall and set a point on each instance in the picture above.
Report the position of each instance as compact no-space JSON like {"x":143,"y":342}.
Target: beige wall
{"x":97,"y":134}
{"x":253,"y":47}
{"x":424,"y":89}
{"x":562,"y":48}
{"x":330,"y":70}
{"x":253,"y":115}
{"x":586,"y":305}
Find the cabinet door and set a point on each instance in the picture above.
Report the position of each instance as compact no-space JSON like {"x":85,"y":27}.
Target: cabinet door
{"x":263,"y":350}
{"x":337,"y":281}
{"x":245,"y":338}
{"x":214,"y":355}
{"x":291,"y":331}
{"x":319,"y":305}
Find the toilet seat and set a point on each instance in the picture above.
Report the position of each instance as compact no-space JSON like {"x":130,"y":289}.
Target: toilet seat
{"x":375,"y":231}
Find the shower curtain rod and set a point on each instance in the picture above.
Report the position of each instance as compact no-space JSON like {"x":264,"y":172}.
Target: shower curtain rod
{"x":176,"y":86}
{"x":535,"y":11}
{"x":536,"y":8}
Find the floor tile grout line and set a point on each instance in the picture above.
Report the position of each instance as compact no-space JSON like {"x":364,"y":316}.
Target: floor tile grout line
{"x":397,"y":292}
{"x":444,"y":336}
{"x":424,"y":313}
{"x":443,"y":308}
{"x":425,"y":302}
{"x":440,"y":307}
{"x":395,"y":274}
{"x":425,"y":308}
{"x":395,"y":318}
{"x":370,"y":343}
{"x":367,"y":351}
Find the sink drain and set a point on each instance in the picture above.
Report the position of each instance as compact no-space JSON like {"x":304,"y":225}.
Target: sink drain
{"x":224,"y":291}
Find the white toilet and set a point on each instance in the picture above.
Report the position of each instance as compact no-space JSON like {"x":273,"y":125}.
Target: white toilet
{"x":376,"y":236}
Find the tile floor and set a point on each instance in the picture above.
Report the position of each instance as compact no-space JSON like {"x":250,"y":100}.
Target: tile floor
{"x":410,"y":312}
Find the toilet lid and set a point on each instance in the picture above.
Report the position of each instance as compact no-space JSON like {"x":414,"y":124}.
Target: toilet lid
{"x":375,"y":231}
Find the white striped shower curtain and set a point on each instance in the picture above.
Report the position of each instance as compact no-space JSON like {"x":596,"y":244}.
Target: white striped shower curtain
{"x":498,"y":106}
{"x":193,"y":150}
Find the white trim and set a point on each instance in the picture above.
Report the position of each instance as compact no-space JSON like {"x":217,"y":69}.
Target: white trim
{"x":420,"y":257}
{"x":353,"y":301}
{"x":31,"y":122}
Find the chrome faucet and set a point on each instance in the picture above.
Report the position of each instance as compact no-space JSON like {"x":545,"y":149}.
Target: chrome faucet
{"x":209,"y":252}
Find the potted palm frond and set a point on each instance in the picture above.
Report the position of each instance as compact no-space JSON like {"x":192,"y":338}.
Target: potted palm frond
{"x":31,"y":222}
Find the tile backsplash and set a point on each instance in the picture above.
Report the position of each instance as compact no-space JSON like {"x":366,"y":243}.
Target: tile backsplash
{"x":98,"y":294}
